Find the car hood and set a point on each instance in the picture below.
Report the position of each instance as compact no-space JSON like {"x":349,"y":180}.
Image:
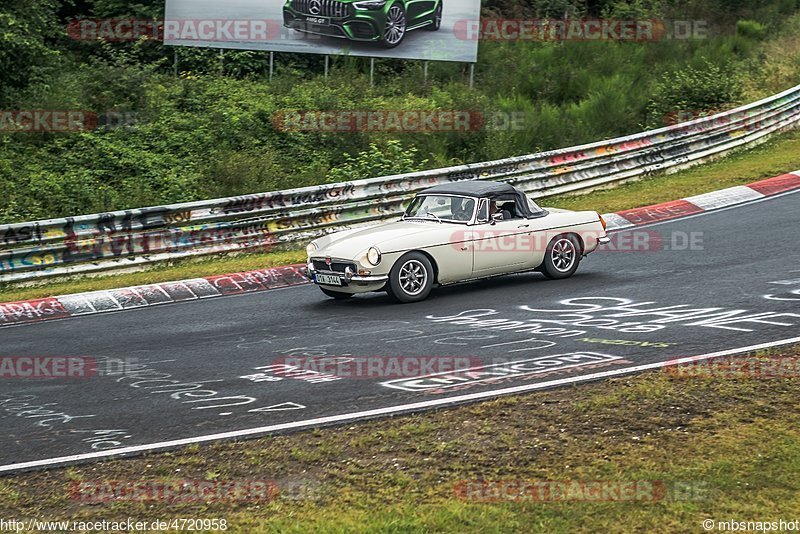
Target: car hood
{"x":387,"y":237}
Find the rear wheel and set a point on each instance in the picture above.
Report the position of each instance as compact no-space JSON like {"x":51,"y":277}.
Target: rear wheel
{"x":338,"y":295}
{"x":562,"y":257}
{"x":436,"y":19}
{"x":411,"y":278}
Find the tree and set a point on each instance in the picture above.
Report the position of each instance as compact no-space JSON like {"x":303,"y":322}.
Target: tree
{"x":27,"y":29}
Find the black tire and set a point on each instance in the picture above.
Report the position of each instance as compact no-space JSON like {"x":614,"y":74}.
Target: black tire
{"x":436,"y":18}
{"x":562,"y":257}
{"x":390,"y":40}
{"x":338,"y":295}
{"x":411,"y":278}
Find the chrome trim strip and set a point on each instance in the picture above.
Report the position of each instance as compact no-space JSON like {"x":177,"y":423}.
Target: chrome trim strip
{"x":382,"y":278}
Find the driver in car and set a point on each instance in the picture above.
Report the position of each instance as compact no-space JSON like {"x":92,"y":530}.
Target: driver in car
{"x":495,"y":209}
{"x":461,"y":209}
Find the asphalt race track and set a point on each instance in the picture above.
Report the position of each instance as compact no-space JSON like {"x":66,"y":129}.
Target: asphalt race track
{"x":219,"y":368}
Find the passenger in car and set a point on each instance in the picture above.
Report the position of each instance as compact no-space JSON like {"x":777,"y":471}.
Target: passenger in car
{"x":494,"y":208}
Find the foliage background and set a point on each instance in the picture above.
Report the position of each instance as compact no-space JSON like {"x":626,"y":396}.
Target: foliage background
{"x":209,"y":132}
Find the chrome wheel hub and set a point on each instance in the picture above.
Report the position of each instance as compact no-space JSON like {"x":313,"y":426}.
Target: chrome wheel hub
{"x":563,"y":255}
{"x":413,"y":277}
{"x":395,"y":25}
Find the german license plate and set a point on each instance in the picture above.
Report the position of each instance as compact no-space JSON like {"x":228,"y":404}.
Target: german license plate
{"x":318,"y":21}
{"x":329,"y":279}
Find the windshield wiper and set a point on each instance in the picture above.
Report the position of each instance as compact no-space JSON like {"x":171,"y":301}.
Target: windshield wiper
{"x":427,"y":217}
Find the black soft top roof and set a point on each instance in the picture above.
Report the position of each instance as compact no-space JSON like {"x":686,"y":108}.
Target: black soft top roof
{"x":484,"y":189}
{"x":473,"y":188}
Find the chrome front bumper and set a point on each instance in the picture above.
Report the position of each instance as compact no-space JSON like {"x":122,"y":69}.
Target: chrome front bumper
{"x":376,"y":279}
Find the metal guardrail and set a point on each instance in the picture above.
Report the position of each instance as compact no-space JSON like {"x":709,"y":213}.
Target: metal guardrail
{"x":139,"y":236}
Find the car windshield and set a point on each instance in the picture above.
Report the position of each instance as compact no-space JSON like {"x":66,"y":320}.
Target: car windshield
{"x":441,"y":208}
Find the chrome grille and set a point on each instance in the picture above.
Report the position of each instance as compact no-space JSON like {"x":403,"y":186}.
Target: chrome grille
{"x":327,"y":8}
{"x":335,"y":266}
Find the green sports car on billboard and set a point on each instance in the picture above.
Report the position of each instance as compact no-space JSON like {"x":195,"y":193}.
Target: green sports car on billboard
{"x":381,"y":21}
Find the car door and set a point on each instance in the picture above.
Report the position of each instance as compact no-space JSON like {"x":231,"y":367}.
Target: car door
{"x":415,"y":10}
{"x":501,"y":246}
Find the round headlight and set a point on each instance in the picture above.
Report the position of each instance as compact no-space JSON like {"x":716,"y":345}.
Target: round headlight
{"x":311,"y":248}
{"x":373,"y":256}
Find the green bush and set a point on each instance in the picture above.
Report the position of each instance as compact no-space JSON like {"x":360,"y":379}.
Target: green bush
{"x":390,"y":158}
{"x":694,"y":91}
{"x":211,"y":132}
{"x":751,"y":29}
{"x":26,"y":57}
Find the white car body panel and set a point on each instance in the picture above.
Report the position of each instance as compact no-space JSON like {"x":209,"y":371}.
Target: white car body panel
{"x":459,"y":251}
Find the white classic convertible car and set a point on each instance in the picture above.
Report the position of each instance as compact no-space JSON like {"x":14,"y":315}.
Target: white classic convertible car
{"x":453,"y":233}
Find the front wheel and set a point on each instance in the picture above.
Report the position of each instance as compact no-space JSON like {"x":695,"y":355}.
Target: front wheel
{"x":338,"y":295}
{"x":411,"y":278}
{"x":562,"y":257}
{"x":395,"y":28}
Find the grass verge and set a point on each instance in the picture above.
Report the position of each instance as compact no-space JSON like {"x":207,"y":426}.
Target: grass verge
{"x":725,"y":449}
{"x":179,"y":270}
{"x":778,"y":156}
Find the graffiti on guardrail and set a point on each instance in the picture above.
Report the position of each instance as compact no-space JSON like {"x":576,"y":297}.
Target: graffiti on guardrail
{"x":96,"y":242}
{"x":118,"y":243}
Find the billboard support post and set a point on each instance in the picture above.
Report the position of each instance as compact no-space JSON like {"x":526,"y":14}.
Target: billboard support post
{"x":425,"y":72}
{"x":371,"y":70}
{"x":175,"y":61}
{"x":221,"y":61}
{"x":271,"y":62}
{"x":327,"y":57}
{"x":471,"y":75}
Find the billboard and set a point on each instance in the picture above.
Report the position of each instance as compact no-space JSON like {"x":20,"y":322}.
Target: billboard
{"x":406,"y":29}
